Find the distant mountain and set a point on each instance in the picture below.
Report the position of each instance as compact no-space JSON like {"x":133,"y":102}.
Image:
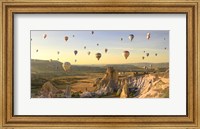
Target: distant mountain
{"x":55,"y":67}
{"x":154,"y":65}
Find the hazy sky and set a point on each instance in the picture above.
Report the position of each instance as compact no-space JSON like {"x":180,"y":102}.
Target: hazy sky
{"x":110,"y":39}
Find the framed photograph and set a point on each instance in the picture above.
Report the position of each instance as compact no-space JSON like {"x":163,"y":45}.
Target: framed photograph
{"x":96,"y":64}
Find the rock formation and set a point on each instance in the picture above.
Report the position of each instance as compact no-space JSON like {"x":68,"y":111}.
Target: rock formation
{"x":68,"y":91}
{"x":48,"y":90}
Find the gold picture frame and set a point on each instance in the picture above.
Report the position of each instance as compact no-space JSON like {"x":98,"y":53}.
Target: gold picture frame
{"x":10,"y":7}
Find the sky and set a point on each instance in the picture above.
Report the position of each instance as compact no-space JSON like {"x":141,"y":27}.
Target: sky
{"x":107,"y":39}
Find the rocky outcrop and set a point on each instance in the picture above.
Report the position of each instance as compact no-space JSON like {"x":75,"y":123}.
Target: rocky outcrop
{"x":141,"y":86}
{"x":48,"y":90}
{"x":68,"y":91}
{"x":125,"y":91}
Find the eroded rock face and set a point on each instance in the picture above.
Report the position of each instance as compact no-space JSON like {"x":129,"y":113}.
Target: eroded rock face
{"x":110,"y":79}
{"x":48,"y":90}
{"x":68,"y":91}
{"x":125,"y":91}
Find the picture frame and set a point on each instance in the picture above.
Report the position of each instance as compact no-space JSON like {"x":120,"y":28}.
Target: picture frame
{"x":9,"y":8}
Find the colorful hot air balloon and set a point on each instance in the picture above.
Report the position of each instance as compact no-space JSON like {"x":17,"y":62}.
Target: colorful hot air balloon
{"x":148,"y":36}
{"x":147,"y":54}
{"x":45,"y":36}
{"x":130,"y":37}
{"x":156,"y":54}
{"x":73,"y":36}
{"x":66,"y":66}
{"x":75,"y":52}
{"x":121,"y":39}
{"x":97,"y":44}
{"x":58,"y":52}
{"x":144,"y":51}
{"x":92,"y":32}
{"x":84,"y":47}
{"x":37,"y":50}
{"x":89,"y":53}
{"x":98,"y":55}
{"x":165,"y":48}
{"x":66,"y":38}
{"x":126,"y":54}
{"x":106,"y":50}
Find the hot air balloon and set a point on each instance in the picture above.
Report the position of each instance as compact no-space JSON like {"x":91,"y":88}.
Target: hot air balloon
{"x":75,"y":52}
{"x":143,"y":57}
{"x":126,"y":54}
{"x":148,"y":36}
{"x":164,"y":38}
{"x":130,"y":37}
{"x":45,"y":36}
{"x":98,"y":55}
{"x":121,"y":39}
{"x":97,"y":44}
{"x":84,"y":47}
{"x":73,"y":35}
{"x":156,"y":54}
{"x":75,"y":60}
{"x":150,"y":66}
{"x":88,"y":53}
{"x":165,"y":48}
{"x":66,"y":38}
{"x":92,"y":32}
{"x":144,"y":51}
{"x":66,"y":66}
{"x":37,"y":50}
{"x":58,"y":52}
{"x":147,"y":54}
{"x":106,"y":50}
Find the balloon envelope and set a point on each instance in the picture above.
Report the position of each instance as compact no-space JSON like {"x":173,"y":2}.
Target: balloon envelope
{"x":98,"y":55}
{"x":148,"y":36}
{"x":75,"y":52}
{"x":126,"y":54}
{"x":106,"y":50}
{"x":45,"y":36}
{"x":66,"y":66}
{"x":130,"y":37}
{"x":88,"y":53}
{"x":66,"y":38}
